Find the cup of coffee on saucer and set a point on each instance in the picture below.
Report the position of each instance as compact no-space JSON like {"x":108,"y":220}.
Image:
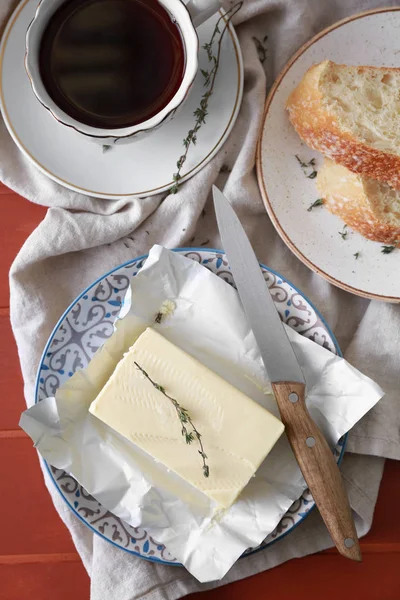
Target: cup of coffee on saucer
{"x":114,"y":70}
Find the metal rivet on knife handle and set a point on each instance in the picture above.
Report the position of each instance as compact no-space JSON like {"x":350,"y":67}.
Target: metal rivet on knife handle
{"x":310,"y":441}
{"x":349,"y":542}
{"x":293,"y":397}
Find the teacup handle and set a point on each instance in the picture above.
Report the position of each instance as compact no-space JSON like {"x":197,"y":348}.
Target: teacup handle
{"x":201,"y":10}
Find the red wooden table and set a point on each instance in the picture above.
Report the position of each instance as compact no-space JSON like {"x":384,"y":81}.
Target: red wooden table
{"x":37,"y":558}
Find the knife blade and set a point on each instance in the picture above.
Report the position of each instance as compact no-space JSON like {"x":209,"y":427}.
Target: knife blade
{"x":311,"y":450}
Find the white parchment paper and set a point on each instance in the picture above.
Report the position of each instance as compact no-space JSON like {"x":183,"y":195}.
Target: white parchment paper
{"x":209,"y":323}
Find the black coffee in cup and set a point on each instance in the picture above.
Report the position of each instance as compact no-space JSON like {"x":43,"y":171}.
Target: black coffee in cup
{"x":111,"y":63}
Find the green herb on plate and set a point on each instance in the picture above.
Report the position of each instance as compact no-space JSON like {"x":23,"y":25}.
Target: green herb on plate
{"x":318,"y":202}
{"x":306,"y":166}
{"x":389,"y":249}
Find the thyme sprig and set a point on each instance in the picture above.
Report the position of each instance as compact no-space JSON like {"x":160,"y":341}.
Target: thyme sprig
{"x":185,"y":421}
{"x":318,"y":202}
{"x":210,"y":75}
{"x":389,"y":249}
{"x":166,"y":310}
{"x":261,"y":48}
{"x":344,"y":232}
{"x":306,"y":166}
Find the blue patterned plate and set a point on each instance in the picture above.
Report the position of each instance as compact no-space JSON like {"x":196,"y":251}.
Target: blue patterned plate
{"x":82,"y":330}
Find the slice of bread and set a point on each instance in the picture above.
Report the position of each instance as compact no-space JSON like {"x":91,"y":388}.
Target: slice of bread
{"x":366,"y":205}
{"x":352,"y":115}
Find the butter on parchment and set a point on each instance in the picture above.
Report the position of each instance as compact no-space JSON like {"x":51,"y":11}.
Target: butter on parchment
{"x":236,"y":432}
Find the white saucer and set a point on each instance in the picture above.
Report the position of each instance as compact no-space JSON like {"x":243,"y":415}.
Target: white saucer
{"x":142,"y":168}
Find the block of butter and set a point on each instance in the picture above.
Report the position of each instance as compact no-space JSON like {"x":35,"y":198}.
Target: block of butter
{"x":236,"y":432}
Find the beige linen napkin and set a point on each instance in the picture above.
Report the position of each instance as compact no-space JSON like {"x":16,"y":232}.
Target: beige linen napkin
{"x":81,"y":238}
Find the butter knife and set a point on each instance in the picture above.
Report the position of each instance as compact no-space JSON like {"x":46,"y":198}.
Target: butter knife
{"x":310,"y":448}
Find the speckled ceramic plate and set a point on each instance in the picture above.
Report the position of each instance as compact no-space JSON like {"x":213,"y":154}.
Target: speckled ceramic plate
{"x":353,"y":263}
{"x":83,"y":328}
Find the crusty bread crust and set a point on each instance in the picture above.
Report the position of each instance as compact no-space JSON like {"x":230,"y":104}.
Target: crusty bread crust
{"x":322,"y":131}
{"x":345,"y":195}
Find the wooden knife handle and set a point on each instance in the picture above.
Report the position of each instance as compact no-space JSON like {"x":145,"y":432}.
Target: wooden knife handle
{"x":318,"y":466}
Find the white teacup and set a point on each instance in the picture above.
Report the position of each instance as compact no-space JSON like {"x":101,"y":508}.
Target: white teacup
{"x":186,"y":16}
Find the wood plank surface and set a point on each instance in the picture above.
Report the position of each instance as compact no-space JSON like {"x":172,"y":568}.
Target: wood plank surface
{"x":37,"y":556}
{"x":20,"y":218}
{"x":11,"y":398}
